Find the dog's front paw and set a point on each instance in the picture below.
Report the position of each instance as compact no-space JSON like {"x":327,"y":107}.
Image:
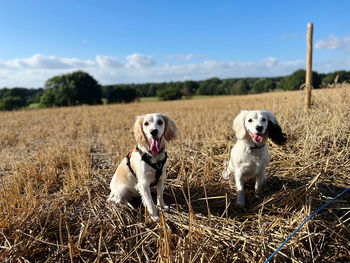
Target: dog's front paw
{"x":240,"y":200}
{"x":154,"y":218}
{"x":162,"y":205}
{"x":165,"y":207}
{"x":114,"y":199}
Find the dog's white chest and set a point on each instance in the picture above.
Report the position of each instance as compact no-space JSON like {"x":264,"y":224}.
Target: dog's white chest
{"x":249,"y":162}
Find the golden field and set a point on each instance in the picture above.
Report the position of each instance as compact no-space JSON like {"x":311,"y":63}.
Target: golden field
{"x":56,"y":165}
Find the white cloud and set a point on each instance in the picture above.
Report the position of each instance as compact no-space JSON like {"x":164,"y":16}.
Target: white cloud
{"x":211,"y":68}
{"x":3,"y":65}
{"x":185,"y":57}
{"x":108,"y":62}
{"x":188,"y":57}
{"x":47,"y":63}
{"x":332,"y":42}
{"x":139,"y":61}
{"x":137,"y":68}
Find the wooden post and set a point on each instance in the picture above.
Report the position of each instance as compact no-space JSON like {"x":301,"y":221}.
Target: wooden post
{"x":308,"y":77}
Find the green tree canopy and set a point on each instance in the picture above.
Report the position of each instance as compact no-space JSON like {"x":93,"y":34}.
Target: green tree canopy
{"x":170,"y":93}
{"x":263,"y":85}
{"x":16,"y":98}
{"x":189,"y":88}
{"x":71,"y":89}
{"x":294,"y":81}
{"x":209,"y":86}
{"x":119,"y":93}
{"x":12,"y":103}
{"x":337,"y":76}
{"x":241,"y":87}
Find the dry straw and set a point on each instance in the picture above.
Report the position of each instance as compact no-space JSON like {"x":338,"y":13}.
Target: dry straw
{"x":56,"y":165}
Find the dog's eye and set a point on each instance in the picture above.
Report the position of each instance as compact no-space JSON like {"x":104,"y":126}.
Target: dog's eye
{"x":263,"y":119}
{"x":146,"y":123}
{"x":250,"y":120}
{"x":160,"y":122}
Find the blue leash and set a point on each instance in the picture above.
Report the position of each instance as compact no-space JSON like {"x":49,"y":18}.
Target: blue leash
{"x":314,"y":213}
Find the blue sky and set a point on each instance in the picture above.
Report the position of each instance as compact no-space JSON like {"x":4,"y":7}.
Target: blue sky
{"x":153,"y":41}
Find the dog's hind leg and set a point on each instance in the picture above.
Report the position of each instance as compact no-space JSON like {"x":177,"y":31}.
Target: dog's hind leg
{"x":117,"y":194}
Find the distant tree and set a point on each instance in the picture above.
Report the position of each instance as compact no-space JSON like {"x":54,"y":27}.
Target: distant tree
{"x":209,"y":86}
{"x":106,"y":91}
{"x":3,"y":91}
{"x":16,"y":92}
{"x":152,"y":89}
{"x":258,"y":86}
{"x":48,"y":98}
{"x":170,"y":93}
{"x":125,"y":94}
{"x":189,"y":88}
{"x":241,"y":87}
{"x":16,"y":98}
{"x":337,"y":76}
{"x":119,"y":93}
{"x":71,"y":89}
{"x":12,"y":103}
{"x":294,"y":81}
{"x":34,"y":95}
{"x":329,"y":79}
{"x":263,"y":85}
{"x":316,"y":80}
{"x":225,"y":87}
{"x":269,"y":85}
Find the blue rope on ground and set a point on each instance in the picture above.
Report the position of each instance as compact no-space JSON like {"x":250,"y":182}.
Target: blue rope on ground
{"x":314,"y":213}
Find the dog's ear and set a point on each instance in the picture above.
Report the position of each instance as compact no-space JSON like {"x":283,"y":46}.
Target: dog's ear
{"x":138,"y":130}
{"x":274,"y":130}
{"x":238,"y":125}
{"x":171,"y":129}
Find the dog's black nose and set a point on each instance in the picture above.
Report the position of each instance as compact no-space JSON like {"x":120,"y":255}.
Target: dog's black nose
{"x":259,"y":128}
{"x":154,"y":132}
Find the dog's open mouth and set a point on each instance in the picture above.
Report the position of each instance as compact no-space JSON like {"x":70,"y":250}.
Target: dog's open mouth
{"x":155,"y":145}
{"x":258,"y":138}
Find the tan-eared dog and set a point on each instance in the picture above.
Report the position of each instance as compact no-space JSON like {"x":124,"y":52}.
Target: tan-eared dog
{"x":146,"y":164}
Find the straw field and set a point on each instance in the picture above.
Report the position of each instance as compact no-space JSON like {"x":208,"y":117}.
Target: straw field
{"x":56,"y":165}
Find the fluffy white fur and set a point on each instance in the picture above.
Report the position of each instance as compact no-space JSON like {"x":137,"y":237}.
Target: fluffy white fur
{"x":152,"y":133}
{"x":250,"y":156}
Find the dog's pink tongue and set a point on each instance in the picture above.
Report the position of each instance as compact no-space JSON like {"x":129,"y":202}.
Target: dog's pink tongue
{"x":155,"y":145}
{"x":257,"y":138}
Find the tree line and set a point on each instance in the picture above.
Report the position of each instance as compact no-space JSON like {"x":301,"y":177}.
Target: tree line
{"x":79,"y":88}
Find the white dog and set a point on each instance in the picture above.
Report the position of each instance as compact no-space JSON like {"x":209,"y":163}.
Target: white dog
{"x":146,"y":164}
{"x":250,"y":156}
